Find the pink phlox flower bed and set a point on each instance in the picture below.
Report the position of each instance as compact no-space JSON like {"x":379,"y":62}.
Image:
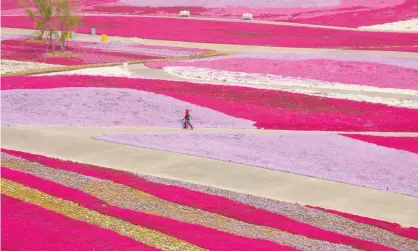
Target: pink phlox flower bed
{"x":405,"y":62}
{"x":105,"y":107}
{"x":270,"y":109}
{"x":330,"y":157}
{"x":30,"y":227}
{"x":9,"y":4}
{"x":347,"y":72}
{"x":234,"y":32}
{"x":19,"y":49}
{"x":409,"y":144}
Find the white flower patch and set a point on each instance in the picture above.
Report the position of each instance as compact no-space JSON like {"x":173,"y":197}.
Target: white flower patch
{"x":331,"y":89}
{"x":108,"y":71}
{"x":12,"y":36}
{"x":407,"y":25}
{"x":12,"y":66}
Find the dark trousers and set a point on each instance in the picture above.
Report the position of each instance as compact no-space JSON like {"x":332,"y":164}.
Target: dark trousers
{"x":187,"y":122}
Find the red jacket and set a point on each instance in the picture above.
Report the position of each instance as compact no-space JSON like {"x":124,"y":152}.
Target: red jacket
{"x":187,"y":114}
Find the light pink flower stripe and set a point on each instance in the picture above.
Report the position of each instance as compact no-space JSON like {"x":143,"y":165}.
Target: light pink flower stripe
{"x":356,"y":162}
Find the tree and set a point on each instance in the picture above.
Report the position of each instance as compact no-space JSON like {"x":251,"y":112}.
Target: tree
{"x":49,"y":16}
{"x":66,"y":20}
{"x":40,"y":12}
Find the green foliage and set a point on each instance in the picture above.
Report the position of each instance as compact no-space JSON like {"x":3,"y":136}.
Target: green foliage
{"x":50,"y":16}
{"x":40,"y":12}
{"x":67,"y":20}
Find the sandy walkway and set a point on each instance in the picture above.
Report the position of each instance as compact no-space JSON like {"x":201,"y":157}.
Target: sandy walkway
{"x":75,"y":143}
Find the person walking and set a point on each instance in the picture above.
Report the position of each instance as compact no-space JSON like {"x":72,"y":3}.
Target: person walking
{"x":187,"y":118}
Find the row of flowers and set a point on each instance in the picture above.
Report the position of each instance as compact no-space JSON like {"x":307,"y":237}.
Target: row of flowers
{"x":11,"y":66}
{"x":89,"y":53}
{"x":349,"y":58}
{"x":24,"y":50}
{"x":269,"y":109}
{"x":141,"y":213}
{"x":31,"y":227}
{"x":235,"y":33}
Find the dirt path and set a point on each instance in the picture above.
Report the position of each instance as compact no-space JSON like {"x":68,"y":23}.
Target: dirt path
{"x":88,"y":131}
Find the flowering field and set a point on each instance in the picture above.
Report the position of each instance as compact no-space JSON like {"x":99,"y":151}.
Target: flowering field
{"x":378,"y":79}
{"x":89,"y":53}
{"x":392,"y":97}
{"x":30,"y":51}
{"x":338,"y":68}
{"x":269,"y":109}
{"x":105,"y":107}
{"x":236,"y":33}
{"x":346,"y":13}
{"x":41,"y":196}
{"x":327,"y":156}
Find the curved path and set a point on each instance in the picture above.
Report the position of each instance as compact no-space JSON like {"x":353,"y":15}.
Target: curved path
{"x":77,"y":144}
